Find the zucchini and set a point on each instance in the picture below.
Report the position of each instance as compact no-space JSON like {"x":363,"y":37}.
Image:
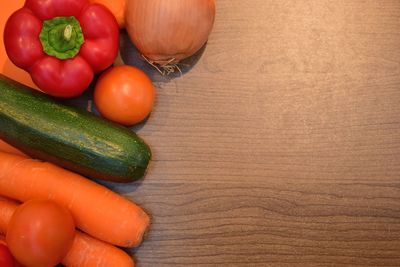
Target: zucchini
{"x":69,"y":136}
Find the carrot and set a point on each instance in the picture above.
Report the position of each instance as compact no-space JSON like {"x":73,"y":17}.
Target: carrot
{"x":86,"y":251}
{"x":7,"y":208}
{"x":4,"y":147}
{"x":96,"y":210}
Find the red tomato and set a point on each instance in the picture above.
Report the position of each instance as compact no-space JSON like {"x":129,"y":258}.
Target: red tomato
{"x":124,"y":94}
{"x":40,"y":233}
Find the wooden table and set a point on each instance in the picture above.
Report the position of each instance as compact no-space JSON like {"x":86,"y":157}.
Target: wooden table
{"x":281,"y":146}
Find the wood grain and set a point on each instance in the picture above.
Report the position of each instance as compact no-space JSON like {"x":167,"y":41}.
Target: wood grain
{"x":281,"y":146}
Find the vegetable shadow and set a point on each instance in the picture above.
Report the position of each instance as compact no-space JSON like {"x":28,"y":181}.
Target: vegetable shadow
{"x":121,"y":188}
{"x":129,"y":55}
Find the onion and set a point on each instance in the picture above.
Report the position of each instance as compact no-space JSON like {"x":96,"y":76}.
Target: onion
{"x":167,"y":31}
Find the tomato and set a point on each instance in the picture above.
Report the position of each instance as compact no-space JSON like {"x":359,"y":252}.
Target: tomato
{"x":40,"y":233}
{"x":117,"y":7}
{"x":124,"y":94}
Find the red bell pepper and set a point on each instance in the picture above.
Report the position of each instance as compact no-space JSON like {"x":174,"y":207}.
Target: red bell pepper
{"x":6,"y":258}
{"x":62,"y":43}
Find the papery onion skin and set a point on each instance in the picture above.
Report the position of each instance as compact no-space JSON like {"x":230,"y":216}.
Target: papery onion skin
{"x":167,"y":31}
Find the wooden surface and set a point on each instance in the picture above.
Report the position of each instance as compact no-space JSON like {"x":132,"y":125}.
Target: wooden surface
{"x":281,"y":146}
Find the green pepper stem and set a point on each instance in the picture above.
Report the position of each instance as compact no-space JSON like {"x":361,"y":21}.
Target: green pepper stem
{"x":68,"y":32}
{"x":62,"y":37}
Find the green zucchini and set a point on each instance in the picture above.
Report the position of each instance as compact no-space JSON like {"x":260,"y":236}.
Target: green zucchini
{"x":69,"y":136}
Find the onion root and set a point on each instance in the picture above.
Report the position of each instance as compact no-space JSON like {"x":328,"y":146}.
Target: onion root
{"x":165,"y":68}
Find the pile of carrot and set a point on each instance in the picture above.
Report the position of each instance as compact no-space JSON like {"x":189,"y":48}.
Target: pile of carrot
{"x":4,"y":147}
{"x":104,"y":218}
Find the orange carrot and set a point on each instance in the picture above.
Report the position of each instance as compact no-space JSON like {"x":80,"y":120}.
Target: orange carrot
{"x":86,"y":251}
{"x":96,"y":210}
{"x":7,"y":208}
{"x":4,"y":147}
